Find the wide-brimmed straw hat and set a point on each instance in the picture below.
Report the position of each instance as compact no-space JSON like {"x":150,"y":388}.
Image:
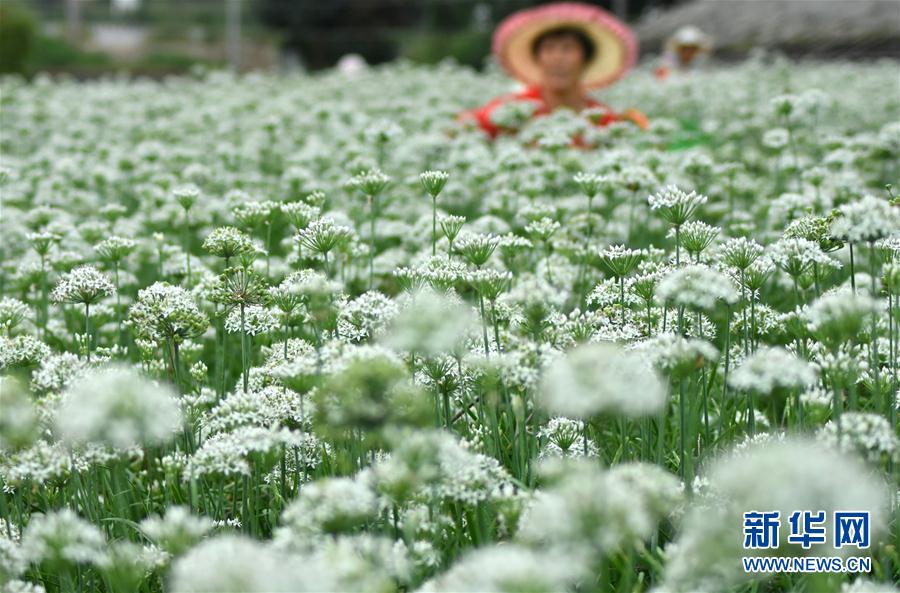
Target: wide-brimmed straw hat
{"x":616,"y":47}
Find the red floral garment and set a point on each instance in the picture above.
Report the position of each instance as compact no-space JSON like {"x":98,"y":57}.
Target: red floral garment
{"x":482,"y":115}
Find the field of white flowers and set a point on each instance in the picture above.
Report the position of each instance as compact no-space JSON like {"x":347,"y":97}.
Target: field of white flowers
{"x":306,"y":333}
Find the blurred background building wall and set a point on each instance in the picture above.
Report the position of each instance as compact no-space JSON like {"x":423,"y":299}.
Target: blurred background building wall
{"x":819,"y":28}
{"x":87,"y":37}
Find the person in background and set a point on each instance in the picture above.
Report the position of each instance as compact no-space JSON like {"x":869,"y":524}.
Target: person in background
{"x":558,"y":52}
{"x":686,"y":51}
{"x":351,"y":64}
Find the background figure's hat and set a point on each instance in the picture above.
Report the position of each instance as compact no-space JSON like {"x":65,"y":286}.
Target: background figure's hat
{"x":616,"y":46}
{"x":690,"y":36}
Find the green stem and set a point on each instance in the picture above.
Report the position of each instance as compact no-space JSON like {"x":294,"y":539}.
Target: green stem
{"x":187,"y":245}
{"x":745,"y":300}
{"x":875,"y":361}
{"x":727,"y":355}
{"x":45,"y":307}
{"x":118,"y":304}
{"x":631,"y":213}
{"x":590,"y":215}
{"x":816,"y":279}
{"x":705,"y":388}
{"x":244,"y":366}
{"x":837,"y":403}
{"x":484,"y":326}
{"x":372,"y":242}
{"x":892,"y":353}
{"x":87,"y":329}
{"x":173,"y":355}
{"x":496,"y":328}
{"x":682,"y":415}
{"x":677,"y":245}
{"x":682,"y":420}
{"x":751,"y":415}
{"x":755,"y":337}
{"x":268,"y":244}
{"x":433,"y":225}
{"x":224,"y":351}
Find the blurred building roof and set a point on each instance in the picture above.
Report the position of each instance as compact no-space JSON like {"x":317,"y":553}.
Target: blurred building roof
{"x":795,"y":26}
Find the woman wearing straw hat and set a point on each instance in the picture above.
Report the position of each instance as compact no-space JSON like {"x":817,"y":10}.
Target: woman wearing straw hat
{"x":560,"y":51}
{"x":686,"y":50}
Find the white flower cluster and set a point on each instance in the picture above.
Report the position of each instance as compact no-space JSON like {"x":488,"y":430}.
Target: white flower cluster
{"x":118,"y":407}
{"x":869,"y":435}
{"x":675,"y":205}
{"x":566,"y":438}
{"x":236,"y":563}
{"x":166,"y":312}
{"x":84,"y":285}
{"x":434,"y":181}
{"x":229,"y":453}
{"x":227,"y":242}
{"x":779,"y":474}
{"x":602,"y":511}
{"x":508,"y":567}
{"x":840,"y":315}
{"x":676,"y":355}
{"x":696,"y":287}
{"x":771,"y":371}
{"x":797,"y":255}
{"x":601,"y":378}
{"x":466,"y":476}
{"x":177,"y":530}
{"x":430,"y":324}
{"x":115,"y":248}
{"x":329,"y":506}
{"x":12,"y":313}
{"x":268,"y":407}
{"x":255,"y":320}
{"x":40,"y":463}
{"x":64,"y":537}
{"x":366,"y":315}
{"x":866,"y":219}
{"x":22,"y":351}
